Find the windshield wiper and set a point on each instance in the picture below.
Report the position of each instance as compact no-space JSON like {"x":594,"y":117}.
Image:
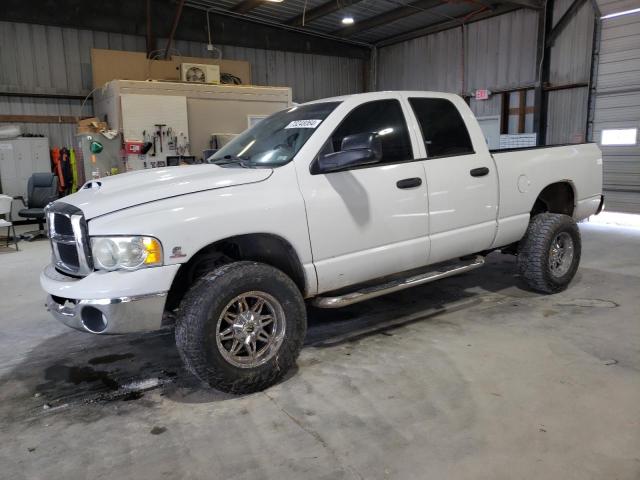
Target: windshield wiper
{"x":229,"y":160}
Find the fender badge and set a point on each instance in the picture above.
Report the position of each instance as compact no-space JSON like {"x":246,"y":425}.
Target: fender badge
{"x":177,"y":253}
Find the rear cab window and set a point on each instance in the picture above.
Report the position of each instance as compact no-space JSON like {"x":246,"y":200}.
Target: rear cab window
{"x":443,"y":129}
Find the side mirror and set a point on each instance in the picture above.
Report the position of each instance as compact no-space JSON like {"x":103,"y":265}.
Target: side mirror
{"x":356,"y":150}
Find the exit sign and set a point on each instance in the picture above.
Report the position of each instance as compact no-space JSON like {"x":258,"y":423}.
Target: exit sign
{"x":482,"y":94}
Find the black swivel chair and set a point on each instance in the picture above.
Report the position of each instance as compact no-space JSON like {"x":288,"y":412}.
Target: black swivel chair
{"x":42,"y":188}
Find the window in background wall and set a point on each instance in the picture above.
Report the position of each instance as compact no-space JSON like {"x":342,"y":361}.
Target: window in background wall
{"x":619,"y":136}
{"x":517,"y":112}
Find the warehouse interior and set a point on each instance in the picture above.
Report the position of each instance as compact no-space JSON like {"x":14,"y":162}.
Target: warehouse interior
{"x":472,"y":376}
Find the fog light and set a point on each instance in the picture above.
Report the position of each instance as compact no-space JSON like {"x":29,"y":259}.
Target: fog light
{"x":93,"y":319}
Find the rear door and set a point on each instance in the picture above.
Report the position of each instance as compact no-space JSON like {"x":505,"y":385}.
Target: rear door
{"x":371,"y":220}
{"x":462,"y":180}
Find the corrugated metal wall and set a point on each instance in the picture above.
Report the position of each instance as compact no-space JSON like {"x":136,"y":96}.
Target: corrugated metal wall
{"x":567,"y":116}
{"x":433,"y":62}
{"x":53,"y":60}
{"x":45,"y":59}
{"x":618,"y":106}
{"x":499,"y":53}
{"x":570,"y":63}
{"x":615,"y":6}
{"x":570,"y":60}
{"x":59,"y":134}
{"x":309,"y":76}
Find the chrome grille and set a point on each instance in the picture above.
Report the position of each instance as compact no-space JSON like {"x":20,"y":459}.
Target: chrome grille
{"x":62,"y":225}
{"x":69,"y":239}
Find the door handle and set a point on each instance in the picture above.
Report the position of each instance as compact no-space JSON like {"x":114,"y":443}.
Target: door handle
{"x":479,"y":172}
{"x":409,"y":182}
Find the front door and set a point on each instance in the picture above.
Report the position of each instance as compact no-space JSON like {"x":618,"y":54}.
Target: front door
{"x":369,"y":221}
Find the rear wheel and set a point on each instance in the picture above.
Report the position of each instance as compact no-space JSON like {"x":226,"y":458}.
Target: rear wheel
{"x":549,"y":253}
{"x":241,"y":327}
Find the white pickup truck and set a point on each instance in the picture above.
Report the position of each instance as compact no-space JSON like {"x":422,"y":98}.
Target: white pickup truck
{"x":334,"y":201}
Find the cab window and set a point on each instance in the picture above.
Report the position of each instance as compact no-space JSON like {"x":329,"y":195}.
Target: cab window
{"x":443,"y":129}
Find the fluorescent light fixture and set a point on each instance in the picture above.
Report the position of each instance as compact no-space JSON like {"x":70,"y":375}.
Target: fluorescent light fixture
{"x":619,"y":136}
{"x":619,"y":14}
{"x":347,"y":20}
{"x":275,"y":1}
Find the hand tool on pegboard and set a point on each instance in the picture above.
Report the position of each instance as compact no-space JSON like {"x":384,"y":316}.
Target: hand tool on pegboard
{"x":160,"y":125}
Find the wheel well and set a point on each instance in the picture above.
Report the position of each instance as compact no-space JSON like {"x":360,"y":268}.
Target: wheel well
{"x":259,"y":247}
{"x":555,"y":198}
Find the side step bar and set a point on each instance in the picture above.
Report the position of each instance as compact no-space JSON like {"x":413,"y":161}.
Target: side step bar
{"x":396,"y":285}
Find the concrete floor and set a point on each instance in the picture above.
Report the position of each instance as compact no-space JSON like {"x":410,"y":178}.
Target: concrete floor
{"x":469,"y":378}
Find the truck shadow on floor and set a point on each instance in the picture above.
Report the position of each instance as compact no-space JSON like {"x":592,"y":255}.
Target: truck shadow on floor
{"x":77,"y":368}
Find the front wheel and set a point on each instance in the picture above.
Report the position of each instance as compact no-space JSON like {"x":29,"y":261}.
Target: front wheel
{"x":549,"y":253}
{"x":241,"y":327}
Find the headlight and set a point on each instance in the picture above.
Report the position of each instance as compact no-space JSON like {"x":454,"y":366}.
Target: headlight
{"x":129,"y":253}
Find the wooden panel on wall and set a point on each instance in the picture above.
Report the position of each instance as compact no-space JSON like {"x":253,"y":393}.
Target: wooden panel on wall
{"x":107,"y":65}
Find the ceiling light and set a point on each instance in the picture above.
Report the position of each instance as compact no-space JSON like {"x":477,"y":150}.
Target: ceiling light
{"x":275,"y":1}
{"x":347,"y":20}
{"x":619,"y":14}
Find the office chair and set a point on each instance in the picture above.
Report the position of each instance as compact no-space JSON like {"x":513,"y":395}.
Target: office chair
{"x":42,"y":188}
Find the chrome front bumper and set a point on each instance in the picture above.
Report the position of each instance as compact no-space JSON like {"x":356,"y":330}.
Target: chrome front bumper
{"x":109,"y":302}
{"x":111,"y":315}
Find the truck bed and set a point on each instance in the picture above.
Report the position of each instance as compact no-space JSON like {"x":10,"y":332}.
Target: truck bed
{"x":525,"y":172}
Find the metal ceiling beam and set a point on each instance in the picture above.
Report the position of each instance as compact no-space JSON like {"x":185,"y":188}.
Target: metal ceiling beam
{"x":540,"y":120}
{"x":535,"y":4}
{"x":246,"y":6}
{"x":176,"y":20}
{"x":320,"y":11}
{"x":446,"y":25}
{"x":229,"y":28}
{"x":390,"y":16}
{"x":564,"y":21}
{"x":282,"y":28}
{"x":491,"y":5}
{"x":150,"y":38}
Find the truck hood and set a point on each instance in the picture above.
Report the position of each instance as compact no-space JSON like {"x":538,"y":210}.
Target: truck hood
{"x":108,"y":194}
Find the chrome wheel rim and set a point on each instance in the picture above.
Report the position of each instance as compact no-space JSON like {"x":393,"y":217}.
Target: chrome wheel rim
{"x":561,"y":254}
{"x":250,"y":329}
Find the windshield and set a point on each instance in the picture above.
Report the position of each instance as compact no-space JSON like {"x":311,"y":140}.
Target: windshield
{"x":276,"y":139}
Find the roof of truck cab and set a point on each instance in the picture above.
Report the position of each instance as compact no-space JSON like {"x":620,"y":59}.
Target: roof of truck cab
{"x":382,"y":94}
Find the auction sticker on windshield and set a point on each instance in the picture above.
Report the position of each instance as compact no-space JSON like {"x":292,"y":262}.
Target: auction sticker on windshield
{"x":304,"y":124}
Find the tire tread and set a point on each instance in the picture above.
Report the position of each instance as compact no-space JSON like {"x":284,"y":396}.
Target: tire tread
{"x":192,"y":323}
{"x":533,"y":251}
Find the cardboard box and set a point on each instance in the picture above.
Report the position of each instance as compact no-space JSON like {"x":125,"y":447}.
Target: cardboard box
{"x":86,"y":122}
{"x":91,"y":125}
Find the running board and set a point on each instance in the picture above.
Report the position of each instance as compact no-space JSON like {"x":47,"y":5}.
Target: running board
{"x":396,"y":285}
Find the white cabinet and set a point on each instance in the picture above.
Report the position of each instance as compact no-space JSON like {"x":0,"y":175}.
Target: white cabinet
{"x":19,"y":159}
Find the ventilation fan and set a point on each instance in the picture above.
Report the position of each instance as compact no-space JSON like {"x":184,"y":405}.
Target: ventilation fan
{"x":200,"y":73}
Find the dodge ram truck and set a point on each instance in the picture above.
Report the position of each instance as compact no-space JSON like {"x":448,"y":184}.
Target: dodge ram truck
{"x":329,"y":203}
